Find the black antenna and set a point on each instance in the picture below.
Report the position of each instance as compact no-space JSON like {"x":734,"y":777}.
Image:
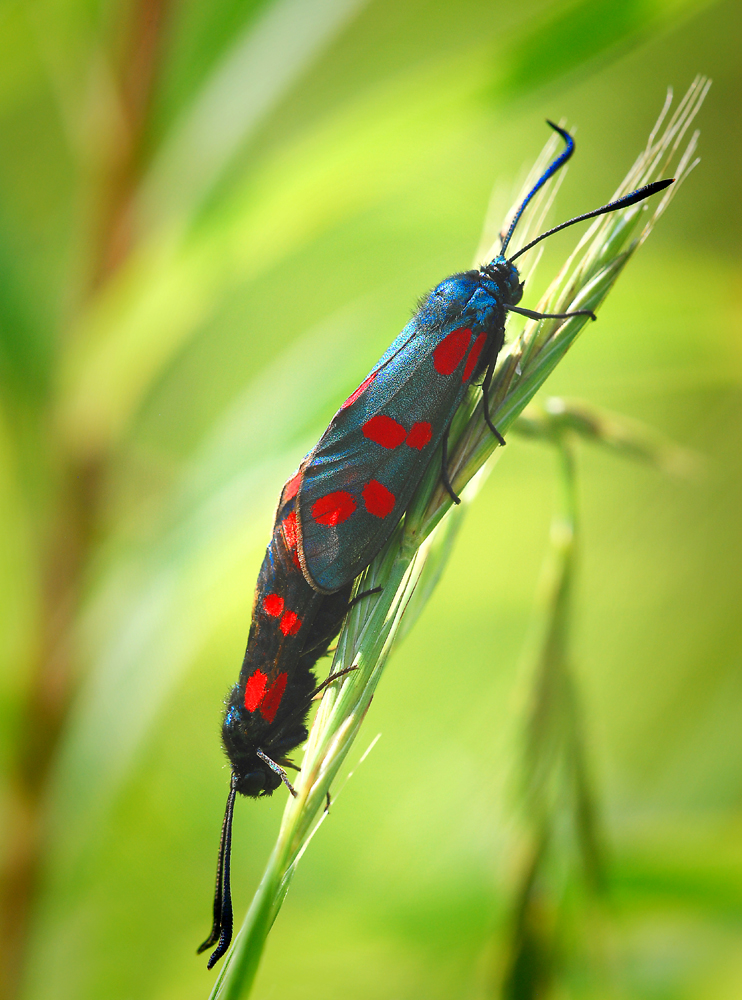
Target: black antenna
{"x":221,"y":929}
{"x":628,"y":199}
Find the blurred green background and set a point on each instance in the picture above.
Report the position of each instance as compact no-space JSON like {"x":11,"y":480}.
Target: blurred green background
{"x":214,"y":217}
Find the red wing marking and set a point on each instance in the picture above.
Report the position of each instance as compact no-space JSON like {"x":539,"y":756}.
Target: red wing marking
{"x":420,"y":434}
{"x":289,"y":530}
{"x":334,"y":508}
{"x":295,"y":557}
{"x":272,"y":699}
{"x":471,"y":361}
{"x":290,"y":623}
{"x":361,"y":388}
{"x":273,"y":605}
{"x":254,"y":690}
{"x":291,"y":488}
{"x":448,"y":354}
{"x":384,"y":431}
{"x":377,"y":498}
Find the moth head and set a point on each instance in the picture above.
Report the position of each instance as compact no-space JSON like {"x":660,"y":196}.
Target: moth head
{"x":257,"y":782}
{"x":505,"y":275}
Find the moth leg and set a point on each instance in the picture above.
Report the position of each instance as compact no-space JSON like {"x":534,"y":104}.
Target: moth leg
{"x":277,"y":769}
{"x":444,"y":468}
{"x":486,"y":402}
{"x":365,"y":593}
{"x":327,"y":804}
{"x":537,"y":315}
{"x":329,"y":680}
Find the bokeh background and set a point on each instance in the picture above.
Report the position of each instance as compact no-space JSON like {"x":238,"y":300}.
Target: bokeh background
{"x":214,"y":217}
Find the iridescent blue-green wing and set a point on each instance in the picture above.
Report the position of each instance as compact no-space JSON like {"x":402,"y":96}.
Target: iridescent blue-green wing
{"x":353,"y":488}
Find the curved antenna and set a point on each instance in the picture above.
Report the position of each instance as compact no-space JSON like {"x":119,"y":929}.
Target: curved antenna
{"x":221,"y":928}
{"x":628,"y":199}
{"x":549,"y":172}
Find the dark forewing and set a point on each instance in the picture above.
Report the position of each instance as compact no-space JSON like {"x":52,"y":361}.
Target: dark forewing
{"x":355,"y":485}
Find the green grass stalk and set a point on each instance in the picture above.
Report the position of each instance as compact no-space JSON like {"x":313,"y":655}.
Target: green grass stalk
{"x":415,"y":555}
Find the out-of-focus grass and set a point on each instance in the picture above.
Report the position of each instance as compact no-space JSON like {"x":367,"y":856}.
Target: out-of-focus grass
{"x":148,"y":418}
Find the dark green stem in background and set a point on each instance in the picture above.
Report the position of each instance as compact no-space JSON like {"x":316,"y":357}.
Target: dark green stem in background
{"x":554,"y":769}
{"x":74,"y":498}
{"x":139,"y":63}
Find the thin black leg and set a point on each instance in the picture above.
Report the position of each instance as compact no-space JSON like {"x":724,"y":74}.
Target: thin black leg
{"x":444,"y":468}
{"x":486,"y":402}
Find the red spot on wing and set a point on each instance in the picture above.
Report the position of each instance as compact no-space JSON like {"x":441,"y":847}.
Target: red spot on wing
{"x":273,"y":605}
{"x":361,"y":388}
{"x":272,"y":699}
{"x":290,"y":623}
{"x":334,"y":508}
{"x":254,"y":690}
{"x":291,"y":488}
{"x":384,"y":431}
{"x":377,"y":498}
{"x":471,"y":361}
{"x":295,"y":557}
{"x":448,"y":354}
{"x":420,"y":434}
{"x":289,"y":530}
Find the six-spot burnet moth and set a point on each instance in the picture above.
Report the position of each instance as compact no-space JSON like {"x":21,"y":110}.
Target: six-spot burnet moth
{"x":350,"y":492}
{"x":292,"y":627}
{"x":356,"y":484}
